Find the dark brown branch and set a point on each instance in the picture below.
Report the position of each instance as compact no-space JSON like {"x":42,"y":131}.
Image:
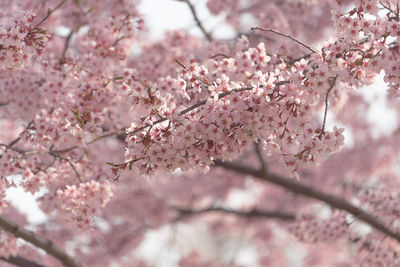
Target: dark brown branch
{"x":21,"y":262}
{"x":66,"y":46}
{"x":326,"y":104}
{"x":56,"y":156}
{"x":49,"y":12}
{"x":255,"y":213}
{"x":196,"y":18}
{"x":121,"y":135}
{"x":285,"y":35}
{"x":219,"y":55}
{"x":3,"y":104}
{"x":48,"y":246}
{"x":201,"y":103}
{"x":290,"y":62}
{"x":16,"y":140}
{"x":310,"y":192}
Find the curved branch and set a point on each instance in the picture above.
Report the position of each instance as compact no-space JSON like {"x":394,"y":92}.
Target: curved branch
{"x":311,"y":192}
{"x":284,"y":35}
{"x":49,"y":12}
{"x":66,"y":45}
{"x":186,"y":110}
{"x":48,"y":246}
{"x":61,"y":158}
{"x":254,"y":213}
{"x":21,"y":262}
{"x":196,"y":18}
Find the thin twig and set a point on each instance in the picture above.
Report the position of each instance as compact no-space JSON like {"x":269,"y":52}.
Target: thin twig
{"x":198,"y":21}
{"x":66,"y":45}
{"x":53,"y":154}
{"x":121,"y":135}
{"x":285,"y":35}
{"x":13,"y":142}
{"x":326,"y":104}
{"x":48,"y":246}
{"x":49,"y":12}
{"x":219,"y":55}
{"x":197,"y":77}
{"x":201,"y":103}
{"x":290,"y":62}
{"x":21,"y":262}
{"x":16,"y":140}
{"x":254,"y":213}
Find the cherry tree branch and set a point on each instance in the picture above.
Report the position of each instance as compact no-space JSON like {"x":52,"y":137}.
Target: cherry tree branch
{"x":285,"y":35}
{"x":290,"y":62}
{"x":49,"y":12}
{"x":201,"y":103}
{"x":196,"y":18}
{"x":254,"y":213}
{"x":48,"y":246}
{"x":311,"y":192}
{"x":121,"y":135}
{"x":16,"y":140}
{"x":21,"y":262}
{"x":66,"y":46}
{"x":326,"y":103}
{"x":56,"y":156}
{"x":186,"y":110}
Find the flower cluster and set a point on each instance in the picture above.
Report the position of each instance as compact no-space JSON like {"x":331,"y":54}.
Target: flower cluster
{"x":171,"y":108}
{"x":237,"y":113}
{"x":83,"y":202}
{"x":19,"y":41}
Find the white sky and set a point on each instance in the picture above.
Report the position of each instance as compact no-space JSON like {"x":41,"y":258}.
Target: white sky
{"x":162,"y":15}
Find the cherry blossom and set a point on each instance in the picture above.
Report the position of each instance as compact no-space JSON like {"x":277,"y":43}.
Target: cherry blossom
{"x":262,"y":141}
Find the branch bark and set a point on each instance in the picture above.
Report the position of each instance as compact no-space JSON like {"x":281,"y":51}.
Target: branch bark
{"x":21,"y":262}
{"x":198,"y":21}
{"x":186,"y":110}
{"x":254,"y":213}
{"x":284,"y":35}
{"x":326,"y":103}
{"x":48,"y":246}
{"x":49,"y":12}
{"x":313,"y":193}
